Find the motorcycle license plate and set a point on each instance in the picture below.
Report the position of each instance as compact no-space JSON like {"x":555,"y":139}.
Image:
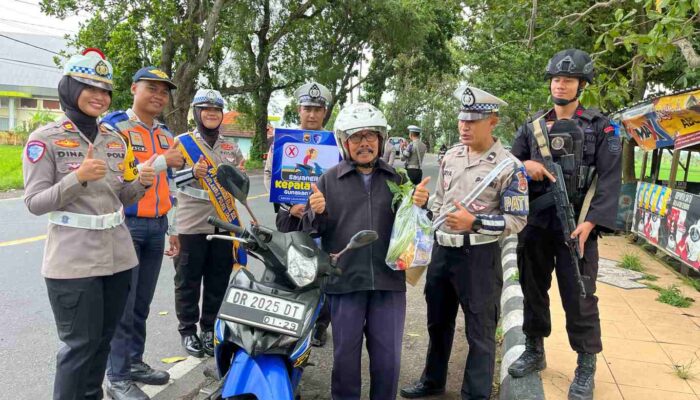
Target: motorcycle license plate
{"x":263,"y":311}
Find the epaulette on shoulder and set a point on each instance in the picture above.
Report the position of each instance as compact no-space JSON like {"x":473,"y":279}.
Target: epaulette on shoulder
{"x":50,"y":128}
{"x":592,"y":114}
{"x":537,"y":115}
{"x":453,"y":148}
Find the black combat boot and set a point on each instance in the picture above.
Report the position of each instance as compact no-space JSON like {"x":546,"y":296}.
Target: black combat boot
{"x":582,"y":386}
{"x":531,"y":360}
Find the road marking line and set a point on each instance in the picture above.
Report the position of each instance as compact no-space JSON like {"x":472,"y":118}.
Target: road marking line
{"x":22,"y":241}
{"x":176,"y":372}
{"x":258,"y":196}
{"x":42,"y":237}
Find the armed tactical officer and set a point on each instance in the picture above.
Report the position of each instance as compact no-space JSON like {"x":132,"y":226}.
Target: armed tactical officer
{"x":588,"y":152}
{"x":466,"y":265}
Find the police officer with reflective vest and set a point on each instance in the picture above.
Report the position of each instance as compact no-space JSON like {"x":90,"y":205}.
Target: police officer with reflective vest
{"x":313,"y":99}
{"x":589,"y":154}
{"x":148,"y":222}
{"x":413,"y":154}
{"x":74,"y":172}
{"x":204,"y":267}
{"x":466,"y":264}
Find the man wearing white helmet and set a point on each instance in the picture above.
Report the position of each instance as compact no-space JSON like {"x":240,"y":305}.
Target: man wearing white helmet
{"x":204,"y":267}
{"x":465,"y":268}
{"x":368,"y":297}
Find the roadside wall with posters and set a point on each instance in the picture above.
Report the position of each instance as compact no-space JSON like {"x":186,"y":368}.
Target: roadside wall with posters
{"x":672,"y":120}
{"x":299,"y":158}
{"x":669,"y":219}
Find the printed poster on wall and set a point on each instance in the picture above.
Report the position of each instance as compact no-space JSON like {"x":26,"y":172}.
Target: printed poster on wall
{"x":670,"y":220}
{"x":299,"y":158}
{"x":672,"y":120}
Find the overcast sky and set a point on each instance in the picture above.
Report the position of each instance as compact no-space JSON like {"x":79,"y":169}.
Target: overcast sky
{"x":25,"y":16}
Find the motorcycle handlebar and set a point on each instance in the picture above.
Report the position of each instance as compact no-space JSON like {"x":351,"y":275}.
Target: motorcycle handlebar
{"x":225,"y":225}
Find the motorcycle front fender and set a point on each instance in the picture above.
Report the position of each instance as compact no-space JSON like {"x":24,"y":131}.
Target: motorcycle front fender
{"x":265,"y":376}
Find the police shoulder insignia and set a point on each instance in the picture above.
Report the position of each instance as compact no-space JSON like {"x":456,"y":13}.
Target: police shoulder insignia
{"x":522,"y":181}
{"x":491,"y":156}
{"x":614,"y":144}
{"x":35,"y":150}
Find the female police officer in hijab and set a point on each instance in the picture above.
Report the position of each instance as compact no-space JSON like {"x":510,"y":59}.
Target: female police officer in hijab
{"x":74,"y":173}
{"x":204,"y":267}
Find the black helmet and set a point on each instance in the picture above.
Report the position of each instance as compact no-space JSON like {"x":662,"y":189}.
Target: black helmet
{"x":571,"y":62}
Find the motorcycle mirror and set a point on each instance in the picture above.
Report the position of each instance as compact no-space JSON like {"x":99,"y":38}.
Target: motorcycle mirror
{"x":362,"y":239}
{"x":234,"y":181}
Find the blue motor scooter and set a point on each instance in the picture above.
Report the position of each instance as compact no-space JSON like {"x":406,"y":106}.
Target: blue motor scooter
{"x":264,"y":327}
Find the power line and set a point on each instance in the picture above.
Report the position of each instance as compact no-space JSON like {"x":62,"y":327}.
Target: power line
{"x":29,"y":23}
{"x":29,"y":63}
{"x":29,"y":44}
{"x":27,"y":2}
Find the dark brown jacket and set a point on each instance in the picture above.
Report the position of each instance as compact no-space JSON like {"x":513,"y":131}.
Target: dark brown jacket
{"x":350,"y":208}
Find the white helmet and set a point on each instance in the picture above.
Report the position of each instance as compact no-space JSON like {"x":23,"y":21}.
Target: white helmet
{"x":357,"y":117}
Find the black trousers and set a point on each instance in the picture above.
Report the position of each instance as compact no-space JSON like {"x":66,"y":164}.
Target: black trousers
{"x":540,"y":251}
{"x":415,"y":175}
{"x":463,"y":276}
{"x":86,"y":312}
{"x":202,"y":267}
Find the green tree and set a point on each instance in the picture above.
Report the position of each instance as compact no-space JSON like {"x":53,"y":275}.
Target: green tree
{"x":176,"y":36}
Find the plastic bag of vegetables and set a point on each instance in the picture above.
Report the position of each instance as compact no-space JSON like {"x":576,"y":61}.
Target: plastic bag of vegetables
{"x":411,"y":241}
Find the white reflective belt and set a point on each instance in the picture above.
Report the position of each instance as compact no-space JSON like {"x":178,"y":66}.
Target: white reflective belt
{"x":476,"y":239}
{"x":86,"y":221}
{"x":196,"y":193}
{"x":448,"y":239}
{"x":451,"y":240}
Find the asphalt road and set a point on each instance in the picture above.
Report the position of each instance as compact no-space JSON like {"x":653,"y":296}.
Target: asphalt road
{"x":28,"y":340}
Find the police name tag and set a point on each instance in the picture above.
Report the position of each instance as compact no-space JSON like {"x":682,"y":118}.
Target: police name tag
{"x":263,"y":311}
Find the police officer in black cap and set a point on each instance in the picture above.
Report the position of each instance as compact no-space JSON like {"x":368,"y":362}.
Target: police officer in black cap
{"x":590,"y":160}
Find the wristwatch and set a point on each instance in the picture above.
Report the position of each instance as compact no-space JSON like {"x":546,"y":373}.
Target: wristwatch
{"x":477,"y":225}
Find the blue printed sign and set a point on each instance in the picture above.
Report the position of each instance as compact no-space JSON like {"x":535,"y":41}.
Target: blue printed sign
{"x":299,"y":158}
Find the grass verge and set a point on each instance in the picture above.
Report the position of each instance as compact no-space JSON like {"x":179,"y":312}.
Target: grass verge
{"x":10,"y":167}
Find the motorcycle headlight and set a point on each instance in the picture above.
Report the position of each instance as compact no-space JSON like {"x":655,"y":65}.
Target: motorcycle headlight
{"x":301,"y":269}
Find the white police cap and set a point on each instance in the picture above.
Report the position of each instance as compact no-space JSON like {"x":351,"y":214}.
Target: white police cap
{"x":476,"y":104}
{"x":413,"y":128}
{"x":313,"y":94}
{"x":208,"y":98}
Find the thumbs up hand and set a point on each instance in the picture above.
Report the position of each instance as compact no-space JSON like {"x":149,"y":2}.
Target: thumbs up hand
{"x":421,"y":194}
{"x":173,"y":157}
{"x":460,"y":220}
{"x":317,"y":201}
{"x":91,"y":169}
{"x":200,"y":169}
{"x":148,"y":174}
